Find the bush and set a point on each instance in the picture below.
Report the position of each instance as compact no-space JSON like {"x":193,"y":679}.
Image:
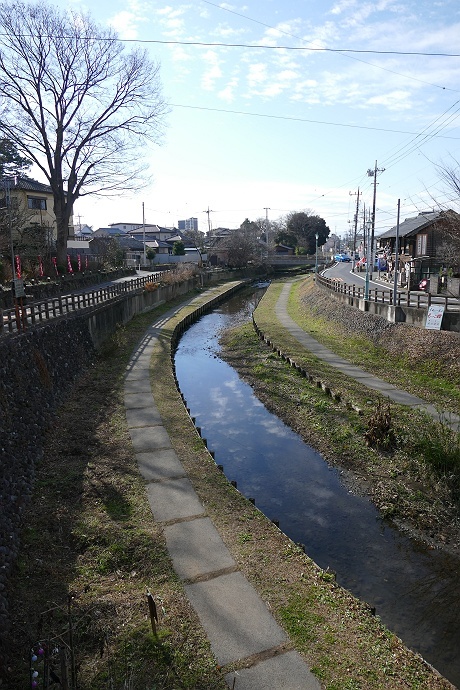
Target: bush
{"x":180,"y":274}
{"x":380,"y":433}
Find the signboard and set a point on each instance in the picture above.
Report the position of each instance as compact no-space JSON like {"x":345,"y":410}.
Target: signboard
{"x":434,"y":317}
{"x":19,"y":287}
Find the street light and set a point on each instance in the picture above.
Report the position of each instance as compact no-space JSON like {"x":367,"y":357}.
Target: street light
{"x":316,"y":255}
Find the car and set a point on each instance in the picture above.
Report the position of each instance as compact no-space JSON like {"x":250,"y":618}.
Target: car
{"x":342,"y":257}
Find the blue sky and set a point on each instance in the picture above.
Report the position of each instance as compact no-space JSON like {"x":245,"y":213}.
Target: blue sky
{"x":278,"y":123}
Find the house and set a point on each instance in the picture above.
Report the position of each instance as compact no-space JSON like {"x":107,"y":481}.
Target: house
{"x":109,"y":232}
{"x":152,"y":232}
{"x":31,"y":214}
{"x":102,"y":247}
{"x":426,"y":243}
{"x":216,"y":246}
{"x":84,"y":232}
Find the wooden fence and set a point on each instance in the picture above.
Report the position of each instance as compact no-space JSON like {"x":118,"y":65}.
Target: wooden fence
{"x":406,"y":298}
{"x":28,"y":314}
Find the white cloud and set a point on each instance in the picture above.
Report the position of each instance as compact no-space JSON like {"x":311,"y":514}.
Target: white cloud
{"x":172,"y":21}
{"x":229,"y":93}
{"x":126,"y":24}
{"x":393,"y":100}
{"x":257,"y":74}
{"x":228,"y":32}
{"x":212,"y":71}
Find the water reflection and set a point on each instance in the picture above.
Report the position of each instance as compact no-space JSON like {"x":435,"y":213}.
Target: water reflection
{"x":415,"y":590}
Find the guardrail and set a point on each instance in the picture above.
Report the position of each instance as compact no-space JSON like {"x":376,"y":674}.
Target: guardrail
{"x":404,"y":298}
{"x":17,"y":319}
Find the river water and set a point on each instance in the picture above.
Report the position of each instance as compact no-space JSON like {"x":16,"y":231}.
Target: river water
{"x":414,"y":590}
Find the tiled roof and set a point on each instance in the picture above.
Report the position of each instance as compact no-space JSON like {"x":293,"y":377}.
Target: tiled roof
{"x":27,"y":184}
{"x":411,"y":226}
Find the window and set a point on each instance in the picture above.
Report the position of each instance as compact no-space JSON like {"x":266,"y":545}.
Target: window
{"x":421,"y":245}
{"x":36,"y":203}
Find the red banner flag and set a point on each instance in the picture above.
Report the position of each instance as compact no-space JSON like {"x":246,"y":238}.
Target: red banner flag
{"x":69,"y":264}
{"x":41,"y":271}
{"x":17,"y":261}
{"x":79,"y":262}
{"x":54,"y":260}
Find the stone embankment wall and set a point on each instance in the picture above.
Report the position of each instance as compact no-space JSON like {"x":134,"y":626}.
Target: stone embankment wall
{"x":416,"y":345}
{"x":394,"y":314}
{"x":37,"y":369}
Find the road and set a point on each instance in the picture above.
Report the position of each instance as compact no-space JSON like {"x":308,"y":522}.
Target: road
{"x":342,"y":271}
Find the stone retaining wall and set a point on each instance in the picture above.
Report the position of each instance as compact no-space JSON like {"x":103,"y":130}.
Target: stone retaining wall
{"x":37,"y":370}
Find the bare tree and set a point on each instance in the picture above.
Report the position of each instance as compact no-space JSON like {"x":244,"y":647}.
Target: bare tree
{"x":75,"y":103}
{"x":241,"y":248}
{"x":449,"y":247}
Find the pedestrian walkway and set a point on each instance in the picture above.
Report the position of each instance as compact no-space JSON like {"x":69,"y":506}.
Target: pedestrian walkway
{"x":239,"y":626}
{"x":387,"y":389}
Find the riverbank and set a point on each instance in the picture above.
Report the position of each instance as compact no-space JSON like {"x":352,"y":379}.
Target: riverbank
{"x":90,"y":532}
{"x":411,"y":469}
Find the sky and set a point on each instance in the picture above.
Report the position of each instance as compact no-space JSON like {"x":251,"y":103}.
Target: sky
{"x":285,"y":105}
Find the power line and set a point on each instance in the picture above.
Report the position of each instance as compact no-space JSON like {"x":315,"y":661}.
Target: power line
{"x":251,"y":46}
{"x":299,"y":119}
{"x":341,"y":52}
{"x":414,"y":144}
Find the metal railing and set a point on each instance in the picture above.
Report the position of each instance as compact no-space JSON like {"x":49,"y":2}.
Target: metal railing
{"x":385,"y":295}
{"x":22,"y":315}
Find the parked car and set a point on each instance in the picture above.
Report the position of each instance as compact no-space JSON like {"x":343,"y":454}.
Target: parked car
{"x":342,"y":257}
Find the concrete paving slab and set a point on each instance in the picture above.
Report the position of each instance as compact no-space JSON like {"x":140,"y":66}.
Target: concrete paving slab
{"x":143,"y":364}
{"x":149,"y":438}
{"x":133,"y":400}
{"x":160,"y":464}
{"x":137,"y":375}
{"x":391,"y":392}
{"x":287,"y":671}
{"x":448,"y":418}
{"x":236,"y":621}
{"x":146,"y":416}
{"x":138,"y":385}
{"x":196,"y":548}
{"x":352,"y":371}
{"x":173,"y":499}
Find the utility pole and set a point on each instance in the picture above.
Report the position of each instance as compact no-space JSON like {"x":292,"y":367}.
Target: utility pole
{"x":396,"y":264}
{"x":209,"y":219}
{"x":366,"y":252}
{"x":373,"y":173}
{"x":355,"y":228}
{"x":143,"y":234}
{"x":266,"y":209}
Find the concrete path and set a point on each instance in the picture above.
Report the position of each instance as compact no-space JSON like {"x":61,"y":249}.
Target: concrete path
{"x":366,"y":379}
{"x":239,"y":626}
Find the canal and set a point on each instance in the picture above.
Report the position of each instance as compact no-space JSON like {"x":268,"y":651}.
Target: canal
{"x":413,"y":589}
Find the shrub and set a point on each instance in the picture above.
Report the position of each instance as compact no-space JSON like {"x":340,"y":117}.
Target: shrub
{"x":380,"y":433}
